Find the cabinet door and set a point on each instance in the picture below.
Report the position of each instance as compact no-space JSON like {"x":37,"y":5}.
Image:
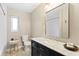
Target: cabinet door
{"x":34,"y":51}
{"x":54,"y":53}
{"x":42,"y":50}
{"x":34,"y":48}
{"x":64,"y":20}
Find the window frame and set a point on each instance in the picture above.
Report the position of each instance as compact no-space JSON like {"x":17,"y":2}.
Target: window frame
{"x":12,"y":30}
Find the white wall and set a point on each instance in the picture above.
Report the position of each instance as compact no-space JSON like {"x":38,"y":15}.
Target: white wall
{"x":38,"y":21}
{"x":3,"y":28}
{"x":24,"y":24}
{"x":74,"y":23}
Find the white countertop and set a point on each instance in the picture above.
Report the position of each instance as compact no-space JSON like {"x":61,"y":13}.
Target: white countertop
{"x":55,"y":45}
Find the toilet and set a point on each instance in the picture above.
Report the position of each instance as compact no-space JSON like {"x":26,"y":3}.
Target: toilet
{"x":26,"y":41}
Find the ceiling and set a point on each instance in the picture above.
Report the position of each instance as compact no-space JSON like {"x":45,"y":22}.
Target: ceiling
{"x":25,"y":7}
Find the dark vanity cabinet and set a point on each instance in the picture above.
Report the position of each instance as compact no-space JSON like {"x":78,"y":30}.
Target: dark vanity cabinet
{"x":34,"y":48}
{"x":41,"y":50}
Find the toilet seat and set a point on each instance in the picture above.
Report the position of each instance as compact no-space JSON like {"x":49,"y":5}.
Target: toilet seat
{"x":27,"y":43}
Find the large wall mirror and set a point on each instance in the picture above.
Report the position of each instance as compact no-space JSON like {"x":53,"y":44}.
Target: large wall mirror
{"x":57,"y":22}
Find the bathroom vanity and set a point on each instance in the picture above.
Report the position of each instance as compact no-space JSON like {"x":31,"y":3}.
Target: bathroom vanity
{"x":41,"y":50}
{"x":57,"y":26}
{"x":47,"y":47}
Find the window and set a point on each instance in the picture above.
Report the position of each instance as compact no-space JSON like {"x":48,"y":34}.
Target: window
{"x":52,"y":23}
{"x":14,"y":24}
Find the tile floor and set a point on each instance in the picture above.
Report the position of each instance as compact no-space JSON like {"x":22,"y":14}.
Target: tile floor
{"x":17,"y":52}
